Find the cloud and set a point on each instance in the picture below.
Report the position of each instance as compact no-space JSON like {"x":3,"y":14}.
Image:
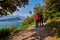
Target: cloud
{"x":25,"y":15}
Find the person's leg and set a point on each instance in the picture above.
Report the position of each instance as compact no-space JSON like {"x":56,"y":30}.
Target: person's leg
{"x":36,"y":28}
{"x":37,"y":22}
{"x":42,"y":22}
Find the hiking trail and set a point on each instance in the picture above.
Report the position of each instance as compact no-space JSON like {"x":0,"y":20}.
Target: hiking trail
{"x":29,"y":34}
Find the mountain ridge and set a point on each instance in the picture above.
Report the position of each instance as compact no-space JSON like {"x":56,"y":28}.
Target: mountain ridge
{"x":11,"y":19}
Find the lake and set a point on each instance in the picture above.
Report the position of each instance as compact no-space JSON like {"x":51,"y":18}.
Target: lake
{"x":8,"y":24}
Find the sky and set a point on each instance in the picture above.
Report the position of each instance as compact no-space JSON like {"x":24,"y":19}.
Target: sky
{"x":24,"y":11}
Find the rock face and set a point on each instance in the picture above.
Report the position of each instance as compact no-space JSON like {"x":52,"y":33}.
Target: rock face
{"x":32,"y":34}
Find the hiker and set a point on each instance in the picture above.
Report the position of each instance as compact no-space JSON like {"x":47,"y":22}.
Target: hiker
{"x":41,"y":20}
{"x":37,"y":16}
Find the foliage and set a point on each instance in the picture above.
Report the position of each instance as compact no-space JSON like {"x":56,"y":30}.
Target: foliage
{"x":52,"y":4}
{"x":14,"y":31}
{"x":4,"y":32}
{"x":29,"y":21}
{"x":12,"y":28}
{"x":30,"y":12}
{"x":51,"y":9}
{"x":55,"y":24}
{"x":37,"y":8}
{"x":11,"y":6}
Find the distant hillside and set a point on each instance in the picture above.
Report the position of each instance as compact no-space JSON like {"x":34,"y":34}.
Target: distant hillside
{"x":11,"y":19}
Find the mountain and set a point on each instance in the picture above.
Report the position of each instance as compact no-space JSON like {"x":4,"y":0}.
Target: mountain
{"x":13,"y":18}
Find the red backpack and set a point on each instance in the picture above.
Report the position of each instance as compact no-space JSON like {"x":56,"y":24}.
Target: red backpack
{"x":37,"y":16}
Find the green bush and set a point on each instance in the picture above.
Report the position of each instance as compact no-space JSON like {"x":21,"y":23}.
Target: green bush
{"x":56,"y":25}
{"x":4,"y":32}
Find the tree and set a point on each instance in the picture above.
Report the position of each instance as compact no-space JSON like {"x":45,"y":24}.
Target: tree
{"x":51,"y":8}
{"x":9,"y":6}
{"x":37,"y":8}
{"x":30,"y":12}
{"x":52,"y":5}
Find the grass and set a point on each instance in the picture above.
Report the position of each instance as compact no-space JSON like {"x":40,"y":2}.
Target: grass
{"x":23,"y":27}
{"x":6,"y":32}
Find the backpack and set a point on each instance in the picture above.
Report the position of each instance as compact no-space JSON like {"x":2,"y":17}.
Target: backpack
{"x":37,"y":16}
{"x":41,"y":17}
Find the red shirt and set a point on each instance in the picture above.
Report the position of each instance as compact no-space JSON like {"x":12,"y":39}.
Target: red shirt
{"x":37,"y":16}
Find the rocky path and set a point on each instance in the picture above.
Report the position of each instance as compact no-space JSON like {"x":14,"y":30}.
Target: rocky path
{"x":30,"y":34}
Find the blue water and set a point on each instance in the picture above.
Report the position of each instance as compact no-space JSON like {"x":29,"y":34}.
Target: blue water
{"x":8,"y":24}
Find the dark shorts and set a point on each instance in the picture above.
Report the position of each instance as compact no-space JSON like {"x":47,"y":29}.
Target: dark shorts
{"x":41,"y":20}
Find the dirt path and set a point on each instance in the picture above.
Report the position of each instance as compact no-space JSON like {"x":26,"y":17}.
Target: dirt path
{"x":30,"y":34}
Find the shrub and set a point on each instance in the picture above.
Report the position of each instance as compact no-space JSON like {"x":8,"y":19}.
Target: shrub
{"x":12,"y":28}
{"x":4,"y":32}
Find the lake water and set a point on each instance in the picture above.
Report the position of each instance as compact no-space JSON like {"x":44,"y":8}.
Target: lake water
{"x":8,"y":24}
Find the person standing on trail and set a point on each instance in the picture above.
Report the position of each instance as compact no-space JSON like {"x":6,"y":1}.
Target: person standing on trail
{"x":41,"y":20}
{"x":37,"y":16}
